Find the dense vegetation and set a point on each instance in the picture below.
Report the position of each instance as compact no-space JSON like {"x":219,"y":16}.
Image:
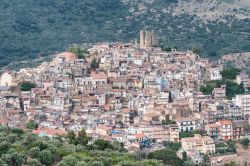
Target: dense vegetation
{"x":192,"y":133}
{"x":244,"y":142}
{"x":18,"y":148}
{"x":78,"y":51}
{"x":37,"y":28}
{"x":27,"y":86}
{"x":227,"y":147}
{"x":228,"y":79}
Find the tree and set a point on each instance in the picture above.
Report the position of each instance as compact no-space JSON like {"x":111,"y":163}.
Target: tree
{"x":102,"y":144}
{"x":118,"y":146}
{"x":231,"y":146}
{"x":79,"y":52}
{"x":68,"y":161}
{"x":232,"y":163}
{"x":189,"y":163}
{"x":27,"y":86}
{"x":4,"y":147}
{"x":241,"y":89}
{"x":32,"y":125}
{"x":149,"y":163}
{"x":82,"y":138}
{"x":244,"y":142}
{"x":186,"y":134}
{"x":3,"y":163}
{"x":12,"y":138}
{"x":184,"y":156}
{"x":94,"y":64}
{"x":230,"y":73}
{"x":213,"y":53}
{"x":196,"y":50}
{"x":207,"y":89}
{"x":33,"y":152}
{"x":29,"y":139}
{"x":206,"y":161}
{"x":81,"y":163}
{"x":42,"y":118}
{"x":72,"y":137}
{"x":16,"y":159}
{"x":34,"y":162}
{"x":231,"y":89}
{"x":173,"y":146}
{"x":96,"y":163}
{"x":247,"y":127}
{"x":167,"y":156}
{"x":168,"y":49}
{"x":167,"y":122}
{"x":170,"y":99}
{"x":29,"y":149}
{"x":45,"y":157}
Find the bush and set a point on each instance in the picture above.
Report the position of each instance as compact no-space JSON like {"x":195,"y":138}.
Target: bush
{"x":34,"y":152}
{"x":244,"y":142}
{"x":68,"y":161}
{"x":45,"y":157}
{"x":32,"y":125}
{"x":34,"y":162}
{"x":102,"y":145}
{"x":27,"y":86}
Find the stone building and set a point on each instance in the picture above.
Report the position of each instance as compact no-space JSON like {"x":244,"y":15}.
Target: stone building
{"x":147,"y":39}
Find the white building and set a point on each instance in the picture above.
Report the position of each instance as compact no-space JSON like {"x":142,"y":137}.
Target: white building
{"x":243,"y":101}
{"x":186,"y":124}
{"x":214,"y":74}
{"x":6,"y":79}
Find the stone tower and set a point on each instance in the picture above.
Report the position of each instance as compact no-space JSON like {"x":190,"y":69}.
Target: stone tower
{"x":142,"y":39}
{"x":153,"y":40}
{"x":147,"y":39}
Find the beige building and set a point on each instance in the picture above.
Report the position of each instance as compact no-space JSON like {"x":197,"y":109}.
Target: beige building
{"x":147,"y":39}
{"x":103,"y":130}
{"x":198,"y":145}
{"x":6,"y":79}
{"x":174,"y":133}
{"x":219,"y":93}
{"x":243,"y":78}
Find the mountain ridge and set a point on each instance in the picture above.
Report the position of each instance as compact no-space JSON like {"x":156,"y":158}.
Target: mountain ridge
{"x":31,"y":29}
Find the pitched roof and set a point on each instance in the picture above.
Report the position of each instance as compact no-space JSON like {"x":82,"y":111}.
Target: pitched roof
{"x":98,"y":75}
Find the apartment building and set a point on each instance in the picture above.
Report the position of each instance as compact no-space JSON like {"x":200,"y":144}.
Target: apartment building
{"x":198,"y":145}
{"x":243,"y":101}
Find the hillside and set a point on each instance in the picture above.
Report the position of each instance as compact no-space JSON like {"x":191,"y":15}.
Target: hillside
{"x":22,"y":148}
{"x":33,"y":28}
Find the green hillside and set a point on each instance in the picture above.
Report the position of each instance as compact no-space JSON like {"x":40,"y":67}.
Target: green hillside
{"x":34,"y":28}
{"x":19,"y":148}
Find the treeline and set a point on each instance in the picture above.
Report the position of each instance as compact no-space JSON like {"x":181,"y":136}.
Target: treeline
{"x":22,"y":148}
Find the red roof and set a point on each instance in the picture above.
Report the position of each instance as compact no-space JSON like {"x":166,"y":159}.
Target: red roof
{"x":225,"y":122}
{"x":49,"y":131}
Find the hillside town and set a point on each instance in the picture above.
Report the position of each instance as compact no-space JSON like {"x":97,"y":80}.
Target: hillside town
{"x":133,"y":93}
